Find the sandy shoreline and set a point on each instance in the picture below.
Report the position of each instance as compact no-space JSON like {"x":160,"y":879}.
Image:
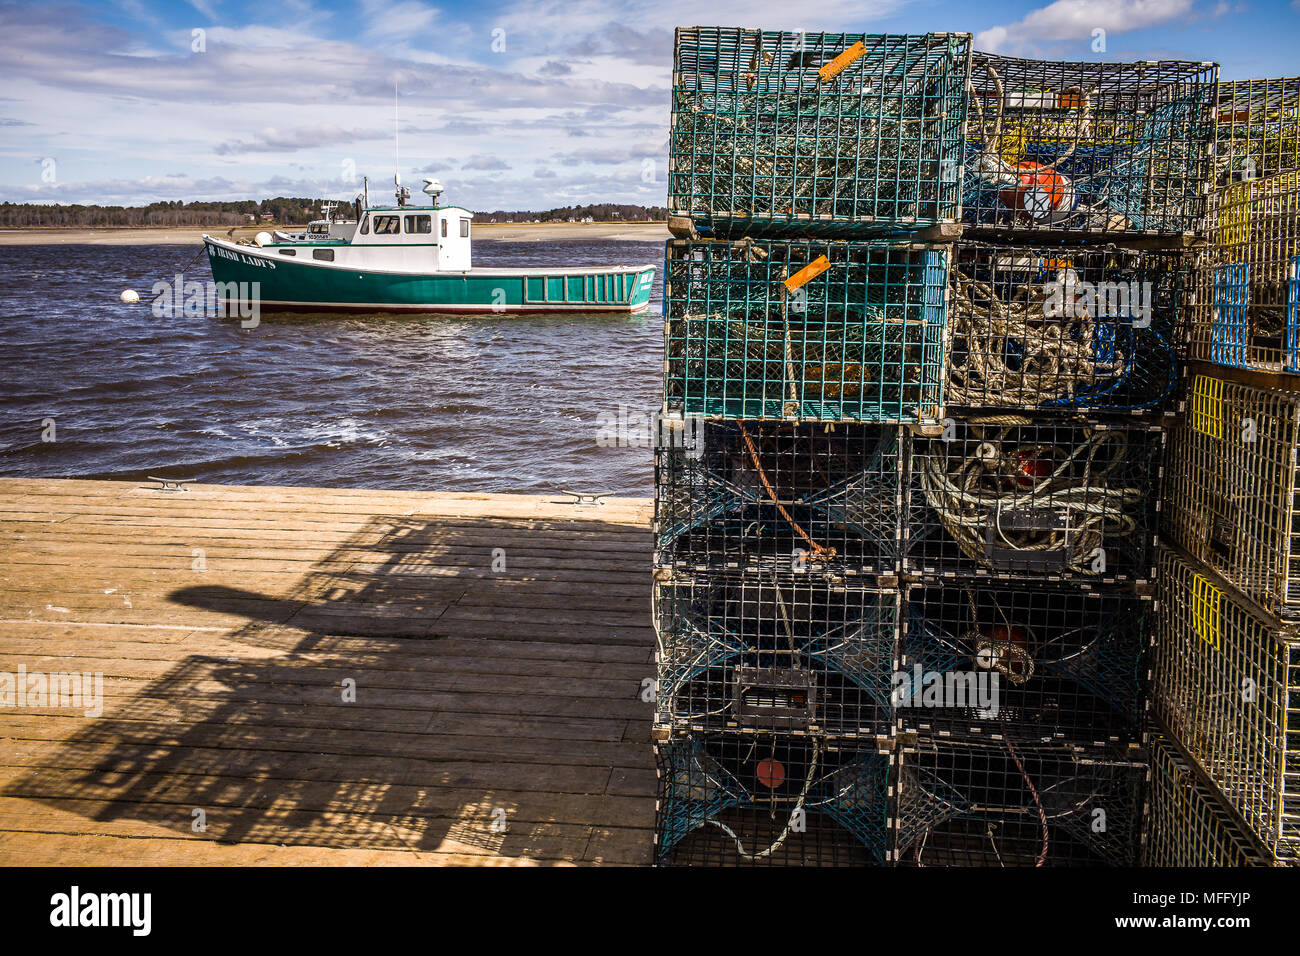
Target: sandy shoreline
{"x":510,"y":232}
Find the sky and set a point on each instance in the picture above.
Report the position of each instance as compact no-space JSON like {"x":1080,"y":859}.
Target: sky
{"x":513,"y":105}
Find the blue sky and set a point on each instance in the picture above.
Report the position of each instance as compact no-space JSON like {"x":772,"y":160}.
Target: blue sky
{"x":512,"y":104}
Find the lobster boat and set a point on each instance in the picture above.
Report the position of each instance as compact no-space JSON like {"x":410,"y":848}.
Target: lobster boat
{"x":405,"y":258}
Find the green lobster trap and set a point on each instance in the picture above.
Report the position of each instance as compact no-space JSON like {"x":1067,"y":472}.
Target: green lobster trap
{"x":1226,"y":686}
{"x":1233,"y":498}
{"x":806,"y":330}
{"x":1187,"y":822}
{"x":830,"y":134}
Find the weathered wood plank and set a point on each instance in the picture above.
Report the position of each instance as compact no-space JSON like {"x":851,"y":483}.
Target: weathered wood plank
{"x":477,"y":687}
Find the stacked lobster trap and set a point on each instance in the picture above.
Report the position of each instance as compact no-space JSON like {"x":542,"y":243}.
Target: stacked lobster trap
{"x":1226,"y":659}
{"x":805,"y":325}
{"x":1029,"y":540}
{"x":926,"y":314}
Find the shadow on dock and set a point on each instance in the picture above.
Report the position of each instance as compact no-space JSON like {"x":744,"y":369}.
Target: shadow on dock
{"x":465,"y":688}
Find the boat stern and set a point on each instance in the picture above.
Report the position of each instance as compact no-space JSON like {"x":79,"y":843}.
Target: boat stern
{"x":642,"y":286}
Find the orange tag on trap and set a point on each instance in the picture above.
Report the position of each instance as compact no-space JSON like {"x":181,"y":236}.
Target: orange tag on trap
{"x":837,"y":65}
{"x":809,"y":272}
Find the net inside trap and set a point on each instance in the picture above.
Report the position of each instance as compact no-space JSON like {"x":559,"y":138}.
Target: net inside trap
{"x":997,"y":804}
{"x":770,"y":800}
{"x":805,"y":330}
{"x":1080,"y":329}
{"x":1036,"y":663}
{"x":788,"y":652}
{"x":801,"y":133}
{"x":779,"y":495}
{"x":1096,"y":147}
{"x":999,"y":495}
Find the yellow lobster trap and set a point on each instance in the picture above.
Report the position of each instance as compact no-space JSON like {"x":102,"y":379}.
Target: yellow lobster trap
{"x":1226,"y":685}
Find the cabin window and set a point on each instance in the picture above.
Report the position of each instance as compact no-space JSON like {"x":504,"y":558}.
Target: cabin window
{"x":464,"y":228}
{"x":288,"y":252}
{"x":325,"y":255}
{"x":444,"y":228}
{"x":387,"y":225}
{"x":365,"y":226}
{"x":419,"y":225}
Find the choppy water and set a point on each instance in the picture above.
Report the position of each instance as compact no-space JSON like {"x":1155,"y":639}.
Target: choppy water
{"x":431,"y":403}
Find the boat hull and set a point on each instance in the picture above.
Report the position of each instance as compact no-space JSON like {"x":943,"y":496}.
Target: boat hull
{"x":286,"y":284}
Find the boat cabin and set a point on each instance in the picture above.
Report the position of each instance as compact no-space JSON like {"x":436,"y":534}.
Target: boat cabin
{"x":440,"y":231}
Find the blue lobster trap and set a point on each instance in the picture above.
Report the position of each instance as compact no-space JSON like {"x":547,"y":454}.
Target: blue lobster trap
{"x":780,"y":496}
{"x":1033,"y":663}
{"x":798,"y":653}
{"x":816,"y":134}
{"x":964,"y":802}
{"x":805,"y":330}
{"x":1085,"y":329}
{"x":770,"y":800}
{"x":1088,"y":148}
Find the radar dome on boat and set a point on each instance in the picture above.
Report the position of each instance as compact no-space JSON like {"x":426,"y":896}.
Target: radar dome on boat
{"x":432,"y":188}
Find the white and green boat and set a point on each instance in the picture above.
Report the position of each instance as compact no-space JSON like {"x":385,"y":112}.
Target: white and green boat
{"x":405,"y":258}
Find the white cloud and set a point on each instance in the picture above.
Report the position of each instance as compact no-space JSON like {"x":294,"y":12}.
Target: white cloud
{"x":1075,"y":20}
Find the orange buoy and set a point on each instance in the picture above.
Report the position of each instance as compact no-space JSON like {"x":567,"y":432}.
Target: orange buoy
{"x":771,"y":773}
{"x":1039,"y":192}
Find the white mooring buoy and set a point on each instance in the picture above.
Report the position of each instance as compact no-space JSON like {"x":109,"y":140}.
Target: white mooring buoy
{"x":130,"y":296}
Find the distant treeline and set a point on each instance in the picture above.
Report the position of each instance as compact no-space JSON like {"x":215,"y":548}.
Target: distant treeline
{"x":280,"y":210}
{"x":599,"y":212}
{"x":173,"y":213}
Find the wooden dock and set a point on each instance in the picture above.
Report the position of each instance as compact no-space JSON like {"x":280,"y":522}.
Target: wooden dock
{"x":497,"y":645}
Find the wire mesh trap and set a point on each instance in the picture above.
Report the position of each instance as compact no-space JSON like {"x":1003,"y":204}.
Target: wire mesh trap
{"x":781,"y":496}
{"x":1256,"y":129}
{"x":1233,"y":498}
{"x":830,"y":134}
{"x":1246,"y":310}
{"x":1093,"y":329}
{"x":1226,"y":685}
{"x":1187,"y":822}
{"x":1039,"y":664}
{"x":791,"y":652}
{"x":1000,"y":496}
{"x":770,"y":800}
{"x":805,"y":330}
{"x":1002,"y":805}
{"x":1088,"y":147}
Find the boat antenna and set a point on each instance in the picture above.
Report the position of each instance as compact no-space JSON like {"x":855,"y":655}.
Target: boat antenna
{"x":402,"y":194}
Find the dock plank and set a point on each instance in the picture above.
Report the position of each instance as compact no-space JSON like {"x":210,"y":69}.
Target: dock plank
{"x":482,"y":691}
